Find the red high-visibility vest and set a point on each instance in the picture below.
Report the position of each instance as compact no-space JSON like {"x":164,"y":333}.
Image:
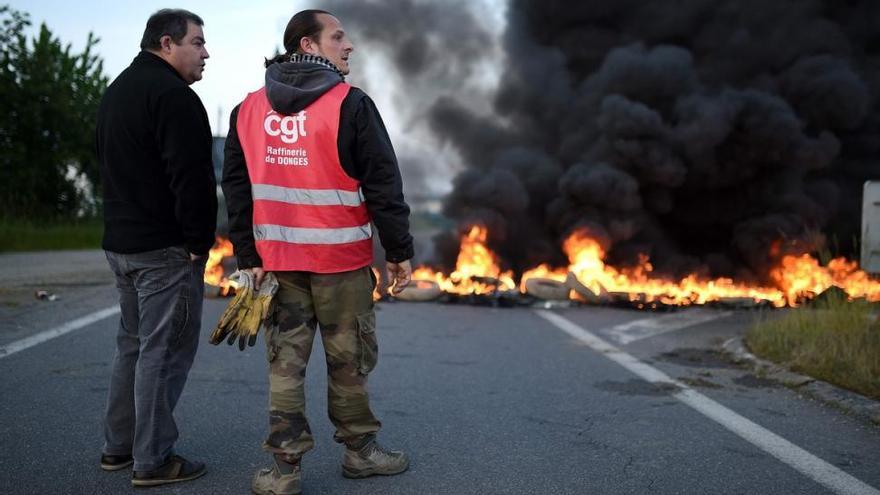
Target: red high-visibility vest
{"x":309,"y":215}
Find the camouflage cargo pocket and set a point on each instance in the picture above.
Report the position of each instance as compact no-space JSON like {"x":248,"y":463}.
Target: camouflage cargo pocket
{"x":270,"y":327}
{"x":368,"y":347}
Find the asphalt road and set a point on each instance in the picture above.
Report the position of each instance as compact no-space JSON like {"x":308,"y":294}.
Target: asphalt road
{"x":486,"y":401}
{"x":79,"y":280}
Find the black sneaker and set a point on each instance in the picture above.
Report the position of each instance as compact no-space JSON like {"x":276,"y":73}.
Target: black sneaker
{"x":116,"y":462}
{"x":177,"y":469}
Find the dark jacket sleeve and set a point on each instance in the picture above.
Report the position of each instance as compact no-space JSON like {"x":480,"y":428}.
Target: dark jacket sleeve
{"x":239,"y":202}
{"x":371,"y":160}
{"x":184,"y":137}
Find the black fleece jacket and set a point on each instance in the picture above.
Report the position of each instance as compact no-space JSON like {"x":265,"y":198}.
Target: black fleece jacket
{"x":366,"y":155}
{"x":154,"y":149}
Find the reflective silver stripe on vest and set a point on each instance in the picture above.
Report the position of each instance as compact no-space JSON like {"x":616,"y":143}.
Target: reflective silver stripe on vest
{"x":314,"y":197}
{"x":303,"y":235}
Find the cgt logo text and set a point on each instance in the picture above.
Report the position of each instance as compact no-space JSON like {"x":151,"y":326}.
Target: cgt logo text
{"x":289,"y":127}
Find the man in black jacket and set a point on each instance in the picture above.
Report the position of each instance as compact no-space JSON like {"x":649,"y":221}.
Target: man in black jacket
{"x":308,"y":166}
{"x":160,"y":207}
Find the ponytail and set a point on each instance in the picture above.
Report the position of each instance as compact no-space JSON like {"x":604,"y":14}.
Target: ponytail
{"x":277,"y":59}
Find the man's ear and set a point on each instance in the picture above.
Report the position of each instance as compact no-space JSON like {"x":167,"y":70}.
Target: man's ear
{"x":165,"y":43}
{"x":307,"y":45}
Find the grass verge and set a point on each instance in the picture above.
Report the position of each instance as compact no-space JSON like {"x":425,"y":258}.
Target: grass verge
{"x":30,"y":235}
{"x":833,"y":340}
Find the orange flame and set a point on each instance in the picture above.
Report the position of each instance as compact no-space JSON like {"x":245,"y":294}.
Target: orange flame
{"x":856,"y":283}
{"x":214,"y":274}
{"x":476,"y":264}
{"x":587,"y":264}
{"x":797,"y":278}
{"x":803,"y":277}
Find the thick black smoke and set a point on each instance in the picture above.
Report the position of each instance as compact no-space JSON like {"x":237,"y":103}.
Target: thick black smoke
{"x":710,"y":135}
{"x":427,"y":50}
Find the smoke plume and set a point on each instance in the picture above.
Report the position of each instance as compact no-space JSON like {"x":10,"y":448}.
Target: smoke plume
{"x":423,"y":51}
{"x":712,"y":136}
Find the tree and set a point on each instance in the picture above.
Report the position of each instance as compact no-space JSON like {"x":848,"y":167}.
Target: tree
{"x":50,"y":99}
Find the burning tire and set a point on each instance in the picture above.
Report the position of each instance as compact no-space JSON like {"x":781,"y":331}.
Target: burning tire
{"x":420,"y":290}
{"x":547,"y":289}
{"x":584,"y":292}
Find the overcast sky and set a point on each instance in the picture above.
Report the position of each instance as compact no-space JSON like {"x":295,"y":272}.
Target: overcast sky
{"x":239,"y":35}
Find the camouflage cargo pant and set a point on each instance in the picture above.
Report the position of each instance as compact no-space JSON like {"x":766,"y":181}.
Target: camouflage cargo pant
{"x":341,"y":304}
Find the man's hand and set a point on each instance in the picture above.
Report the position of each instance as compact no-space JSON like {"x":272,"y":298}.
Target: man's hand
{"x":258,"y":274}
{"x":399,"y":275}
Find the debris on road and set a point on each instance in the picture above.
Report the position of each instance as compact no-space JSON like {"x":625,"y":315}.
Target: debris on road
{"x":420,"y":290}
{"x":547,"y":289}
{"x":45,"y":295}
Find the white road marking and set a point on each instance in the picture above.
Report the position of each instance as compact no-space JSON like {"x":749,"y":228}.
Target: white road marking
{"x":632,"y":331}
{"x":808,"y":464}
{"x":20,"y":345}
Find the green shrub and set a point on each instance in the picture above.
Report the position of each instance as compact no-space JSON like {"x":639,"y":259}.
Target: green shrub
{"x":27,"y":235}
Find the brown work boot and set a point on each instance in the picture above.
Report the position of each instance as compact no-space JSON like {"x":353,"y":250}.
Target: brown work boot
{"x":271,"y":481}
{"x":372,"y":459}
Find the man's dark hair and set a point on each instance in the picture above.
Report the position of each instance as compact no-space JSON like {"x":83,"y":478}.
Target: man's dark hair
{"x":170,"y":22}
{"x":303,"y":24}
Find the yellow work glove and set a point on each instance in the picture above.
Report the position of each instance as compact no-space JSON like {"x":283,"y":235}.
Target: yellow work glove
{"x":229,"y":320}
{"x":259,"y":311}
{"x":247,"y":312}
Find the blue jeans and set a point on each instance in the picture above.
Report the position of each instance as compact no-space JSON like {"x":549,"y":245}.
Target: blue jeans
{"x":160,"y":295}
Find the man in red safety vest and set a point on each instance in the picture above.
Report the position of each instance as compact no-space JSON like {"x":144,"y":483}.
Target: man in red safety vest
{"x":308,"y":167}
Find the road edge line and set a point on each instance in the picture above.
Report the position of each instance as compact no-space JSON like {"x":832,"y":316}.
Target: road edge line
{"x":624,"y":338}
{"x":47,"y":335}
{"x":799,"y":459}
